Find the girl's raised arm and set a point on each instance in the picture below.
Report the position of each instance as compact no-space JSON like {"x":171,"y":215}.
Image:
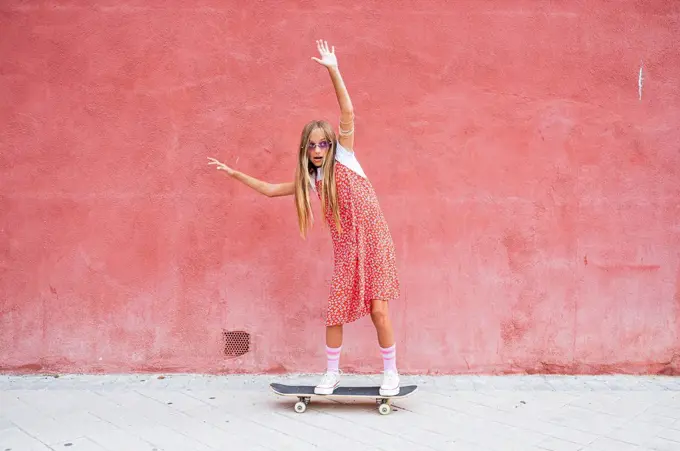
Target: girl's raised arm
{"x":346,"y":129}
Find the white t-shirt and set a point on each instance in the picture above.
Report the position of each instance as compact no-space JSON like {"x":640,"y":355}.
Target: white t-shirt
{"x":344,"y":157}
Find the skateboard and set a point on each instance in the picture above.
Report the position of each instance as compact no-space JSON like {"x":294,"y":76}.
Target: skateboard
{"x":304,"y":394}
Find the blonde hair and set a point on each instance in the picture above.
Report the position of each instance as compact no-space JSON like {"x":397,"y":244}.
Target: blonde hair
{"x":303,"y":177}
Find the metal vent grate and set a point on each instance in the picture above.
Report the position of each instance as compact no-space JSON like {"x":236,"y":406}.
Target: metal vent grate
{"x":236,"y":343}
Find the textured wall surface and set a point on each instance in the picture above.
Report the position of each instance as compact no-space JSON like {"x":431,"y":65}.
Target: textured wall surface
{"x":525,"y":154}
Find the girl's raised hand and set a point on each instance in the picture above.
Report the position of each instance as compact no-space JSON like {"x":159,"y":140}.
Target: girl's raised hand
{"x":221,"y":166}
{"x":328,"y":58}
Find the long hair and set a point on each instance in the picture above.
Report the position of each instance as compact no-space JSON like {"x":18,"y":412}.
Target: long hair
{"x":306,"y":172}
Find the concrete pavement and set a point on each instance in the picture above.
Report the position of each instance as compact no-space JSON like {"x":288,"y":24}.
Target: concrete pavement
{"x":201,"y":413}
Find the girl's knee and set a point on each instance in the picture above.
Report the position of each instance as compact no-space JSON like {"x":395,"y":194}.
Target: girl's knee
{"x":379,"y":313}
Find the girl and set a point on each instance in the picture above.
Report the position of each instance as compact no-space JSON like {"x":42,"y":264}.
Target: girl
{"x":364,"y":276}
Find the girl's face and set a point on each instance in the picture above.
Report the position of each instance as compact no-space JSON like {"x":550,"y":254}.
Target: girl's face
{"x":317,"y":147}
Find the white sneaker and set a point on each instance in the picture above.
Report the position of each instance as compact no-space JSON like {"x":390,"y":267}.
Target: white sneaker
{"x":390,"y":385}
{"x":329,"y":382}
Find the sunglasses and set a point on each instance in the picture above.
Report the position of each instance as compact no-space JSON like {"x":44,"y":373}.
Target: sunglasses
{"x":323,"y":145}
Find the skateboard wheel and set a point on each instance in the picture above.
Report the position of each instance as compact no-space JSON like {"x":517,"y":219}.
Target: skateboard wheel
{"x":300,"y":406}
{"x":384,"y":409}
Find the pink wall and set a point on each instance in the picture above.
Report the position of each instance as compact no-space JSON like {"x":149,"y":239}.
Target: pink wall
{"x":533,"y":195}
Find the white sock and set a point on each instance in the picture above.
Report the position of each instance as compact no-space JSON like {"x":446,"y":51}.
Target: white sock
{"x":389,"y":356}
{"x":333,"y":358}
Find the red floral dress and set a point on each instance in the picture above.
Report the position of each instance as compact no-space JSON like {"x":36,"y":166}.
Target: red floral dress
{"x":364,"y":256}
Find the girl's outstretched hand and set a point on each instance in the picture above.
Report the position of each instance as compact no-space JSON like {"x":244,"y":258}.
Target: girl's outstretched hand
{"x":221,"y":166}
{"x":328,"y":58}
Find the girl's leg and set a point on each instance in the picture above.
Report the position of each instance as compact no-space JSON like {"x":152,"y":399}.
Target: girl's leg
{"x":333,"y":347}
{"x":331,"y":379}
{"x":383,"y":324}
{"x":388,"y":348}
{"x":334,"y":336}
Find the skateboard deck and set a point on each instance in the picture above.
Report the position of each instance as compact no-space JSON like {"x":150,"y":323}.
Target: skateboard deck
{"x":304,"y":394}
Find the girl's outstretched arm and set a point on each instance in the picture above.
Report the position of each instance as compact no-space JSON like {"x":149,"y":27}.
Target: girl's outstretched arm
{"x":346,"y":129}
{"x":268,"y":189}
